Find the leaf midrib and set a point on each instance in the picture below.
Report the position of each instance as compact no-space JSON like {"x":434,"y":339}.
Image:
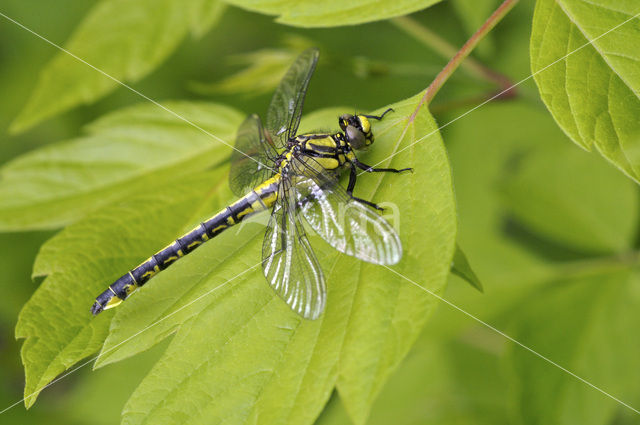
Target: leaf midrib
{"x":593,"y":43}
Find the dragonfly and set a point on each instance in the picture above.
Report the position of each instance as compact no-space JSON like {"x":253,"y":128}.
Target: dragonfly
{"x":296,"y":177}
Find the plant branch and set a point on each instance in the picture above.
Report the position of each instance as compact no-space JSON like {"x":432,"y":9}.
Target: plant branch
{"x":461,"y":54}
{"x":447,"y":50}
{"x":597,"y":266}
{"x":467,"y":48}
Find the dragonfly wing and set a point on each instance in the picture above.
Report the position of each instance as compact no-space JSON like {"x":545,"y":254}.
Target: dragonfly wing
{"x":288,"y":261}
{"x":285,"y":110}
{"x":252,"y":159}
{"x":348,"y":225}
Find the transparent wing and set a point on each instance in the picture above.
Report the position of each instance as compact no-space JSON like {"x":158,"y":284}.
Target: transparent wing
{"x":288,"y":262}
{"x":285,"y":110}
{"x":252,"y":162}
{"x":347,"y":225}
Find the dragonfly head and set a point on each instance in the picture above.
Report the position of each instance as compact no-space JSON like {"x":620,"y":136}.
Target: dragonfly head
{"x":357,"y":130}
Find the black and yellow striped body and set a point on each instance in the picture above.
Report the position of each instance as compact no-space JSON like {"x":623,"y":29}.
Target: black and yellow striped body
{"x":330,"y":151}
{"x":259,"y":199}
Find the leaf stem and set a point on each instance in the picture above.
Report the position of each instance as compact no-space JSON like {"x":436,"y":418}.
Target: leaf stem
{"x":464,"y":51}
{"x":447,"y":50}
{"x":597,"y":266}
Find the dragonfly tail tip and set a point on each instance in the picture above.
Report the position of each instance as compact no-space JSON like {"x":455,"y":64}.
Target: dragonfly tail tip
{"x":96,"y":308}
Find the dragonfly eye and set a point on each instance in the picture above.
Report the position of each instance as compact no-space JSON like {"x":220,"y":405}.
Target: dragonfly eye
{"x":355,"y":137}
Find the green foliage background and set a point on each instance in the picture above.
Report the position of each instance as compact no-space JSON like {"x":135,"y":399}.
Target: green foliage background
{"x":549,"y":229}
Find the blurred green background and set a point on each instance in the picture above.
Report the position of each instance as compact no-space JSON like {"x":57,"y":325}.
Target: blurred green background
{"x":550,"y":230}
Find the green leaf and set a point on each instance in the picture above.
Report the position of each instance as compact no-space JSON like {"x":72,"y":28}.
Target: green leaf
{"x":332,"y":13}
{"x":108,"y":387}
{"x":204,"y":15}
{"x":461,"y":267}
{"x":484,"y":148}
{"x":572,"y":197}
{"x":594,"y":92}
{"x":440,"y":382}
{"x":240,"y":355}
{"x":262,"y":73}
{"x":585,"y":325}
{"x":124,"y":153}
{"x":122,"y":38}
{"x":494,"y":135}
{"x":82,"y":260}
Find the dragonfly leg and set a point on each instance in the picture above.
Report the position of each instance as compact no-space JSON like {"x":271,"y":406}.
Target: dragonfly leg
{"x":370,"y":169}
{"x":352,"y":184}
{"x":369,"y":203}
{"x":353,"y":175}
{"x":381,"y":116}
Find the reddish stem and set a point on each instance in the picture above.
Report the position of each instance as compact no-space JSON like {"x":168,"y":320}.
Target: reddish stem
{"x":464,"y":51}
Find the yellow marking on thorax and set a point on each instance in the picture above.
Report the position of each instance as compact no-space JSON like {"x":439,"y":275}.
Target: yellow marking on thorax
{"x":328,"y":163}
{"x":366,"y":125}
{"x":325,"y":142}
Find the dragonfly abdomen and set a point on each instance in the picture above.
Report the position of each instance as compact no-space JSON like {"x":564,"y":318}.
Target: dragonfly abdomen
{"x":259,"y":199}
